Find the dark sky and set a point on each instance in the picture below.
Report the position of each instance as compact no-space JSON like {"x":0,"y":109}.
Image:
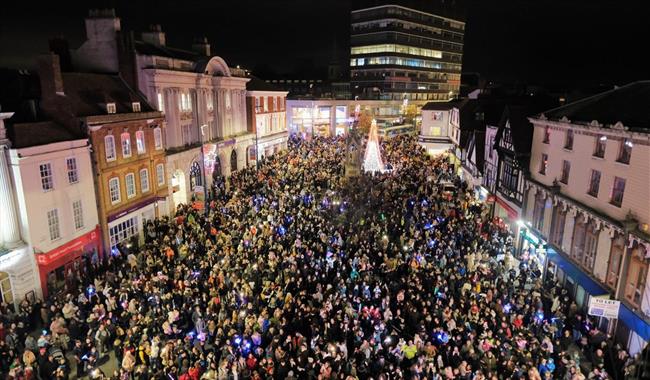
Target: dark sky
{"x":536,"y":41}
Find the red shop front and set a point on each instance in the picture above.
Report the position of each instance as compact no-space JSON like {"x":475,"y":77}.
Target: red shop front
{"x":62,"y":268}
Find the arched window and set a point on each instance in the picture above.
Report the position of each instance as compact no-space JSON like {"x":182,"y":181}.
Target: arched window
{"x":195,"y":176}
{"x":109,"y":147}
{"x":216,"y":173}
{"x":126,"y":144}
{"x":538,"y":211}
{"x":585,"y":242}
{"x":591,"y":245}
{"x":637,"y":275}
{"x":557,"y":225}
{"x":615,"y":259}
{"x":233,"y":161}
{"x":578,"y":241}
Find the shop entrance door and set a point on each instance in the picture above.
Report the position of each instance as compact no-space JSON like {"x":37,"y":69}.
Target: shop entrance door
{"x":72,"y":274}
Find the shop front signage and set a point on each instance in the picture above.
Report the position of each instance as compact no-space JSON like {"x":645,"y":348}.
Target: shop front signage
{"x":137,"y":206}
{"x":512,"y":213}
{"x":72,"y":246}
{"x":603,"y":307}
{"x":226,"y":143}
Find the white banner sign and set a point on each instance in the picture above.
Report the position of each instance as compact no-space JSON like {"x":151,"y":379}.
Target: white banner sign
{"x":602,"y":307}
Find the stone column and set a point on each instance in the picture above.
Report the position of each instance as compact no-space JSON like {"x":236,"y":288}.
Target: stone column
{"x":10,"y":234}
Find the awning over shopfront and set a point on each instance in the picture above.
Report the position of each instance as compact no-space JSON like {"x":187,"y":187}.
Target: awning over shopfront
{"x":634,"y":322}
{"x":571,"y":270}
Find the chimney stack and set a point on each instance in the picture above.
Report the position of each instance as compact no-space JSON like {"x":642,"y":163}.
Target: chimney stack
{"x":49,"y":72}
{"x":59,"y":46}
{"x":154,"y":36}
{"x":102,"y":25}
{"x":201,"y":46}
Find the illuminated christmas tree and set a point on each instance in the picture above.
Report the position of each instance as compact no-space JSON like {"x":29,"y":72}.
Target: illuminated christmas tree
{"x":372,"y":160}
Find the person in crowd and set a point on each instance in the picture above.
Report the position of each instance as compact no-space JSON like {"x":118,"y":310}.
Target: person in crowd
{"x":292,"y":270}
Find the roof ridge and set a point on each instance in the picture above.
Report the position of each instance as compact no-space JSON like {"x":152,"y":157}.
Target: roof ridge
{"x":588,"y":98}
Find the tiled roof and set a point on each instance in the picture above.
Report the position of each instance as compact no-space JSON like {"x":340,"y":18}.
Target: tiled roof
{"x":88,"y":94}
{"x":516,"y":112}
{"x":29,"y":126}
{"x":24,"y":135}
{"x":441,"y":106}
{"x":257,"y":84}
{"x":146,"y":48}
{"x":627,"y":104}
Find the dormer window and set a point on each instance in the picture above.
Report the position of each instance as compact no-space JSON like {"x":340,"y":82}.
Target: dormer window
{"x":135,"y":106}
{"x":110,"y":108}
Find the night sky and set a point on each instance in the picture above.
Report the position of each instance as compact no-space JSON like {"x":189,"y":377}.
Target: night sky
{"x":555,"y":42}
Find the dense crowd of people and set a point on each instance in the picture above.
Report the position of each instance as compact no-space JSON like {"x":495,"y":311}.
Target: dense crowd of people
{"x":294,"y":271}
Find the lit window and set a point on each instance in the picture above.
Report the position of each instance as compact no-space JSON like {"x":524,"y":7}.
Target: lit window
{"x":393,"y":48}
{"x":266,"y":104}
{"x":110,"y":108}
{"x":208,"y":101}
{"x":144,"y":180}
{"x":47,"y":180}
{"x":566,"y":169}
{"x":157,"y":136}
{"x":160,"y":174}
{"x":53,"y":224}
{"x":129,"y":179}
{"x":114,"y":190}
{"x":77,"y":212}
{"x":186,"y":102}
{"x":126,"y":144}
{"x":543,"y":164}
{"x":139,"y":142}
{"x":136,"y":106}
{"x":601,"y":144}
{"x":258,"y":106}
{"x":617,"y":191}
{"x":161,"y":102}
{"x":109,"y":147}
{"x":625,"y":152}
{"x":71,"y":164}
{"x":594,"y":183}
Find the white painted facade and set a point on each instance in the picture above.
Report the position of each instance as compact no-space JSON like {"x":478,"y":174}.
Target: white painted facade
{"x":47,"y":217}
{"x":42,"y":189}
{"x":18,"y":274}
{"x":205,"y":116}
{"x":434,"y":133}
{"x":34,"y":202}
{"x":573,"y":194}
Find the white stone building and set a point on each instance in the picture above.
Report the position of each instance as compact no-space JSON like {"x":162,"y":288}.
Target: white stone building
{"x":203,"y":99}
{"x":587,"y":198}
{"x":18,"y":277}
{"x":204,"y":102}
{"x":55,"y":208}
